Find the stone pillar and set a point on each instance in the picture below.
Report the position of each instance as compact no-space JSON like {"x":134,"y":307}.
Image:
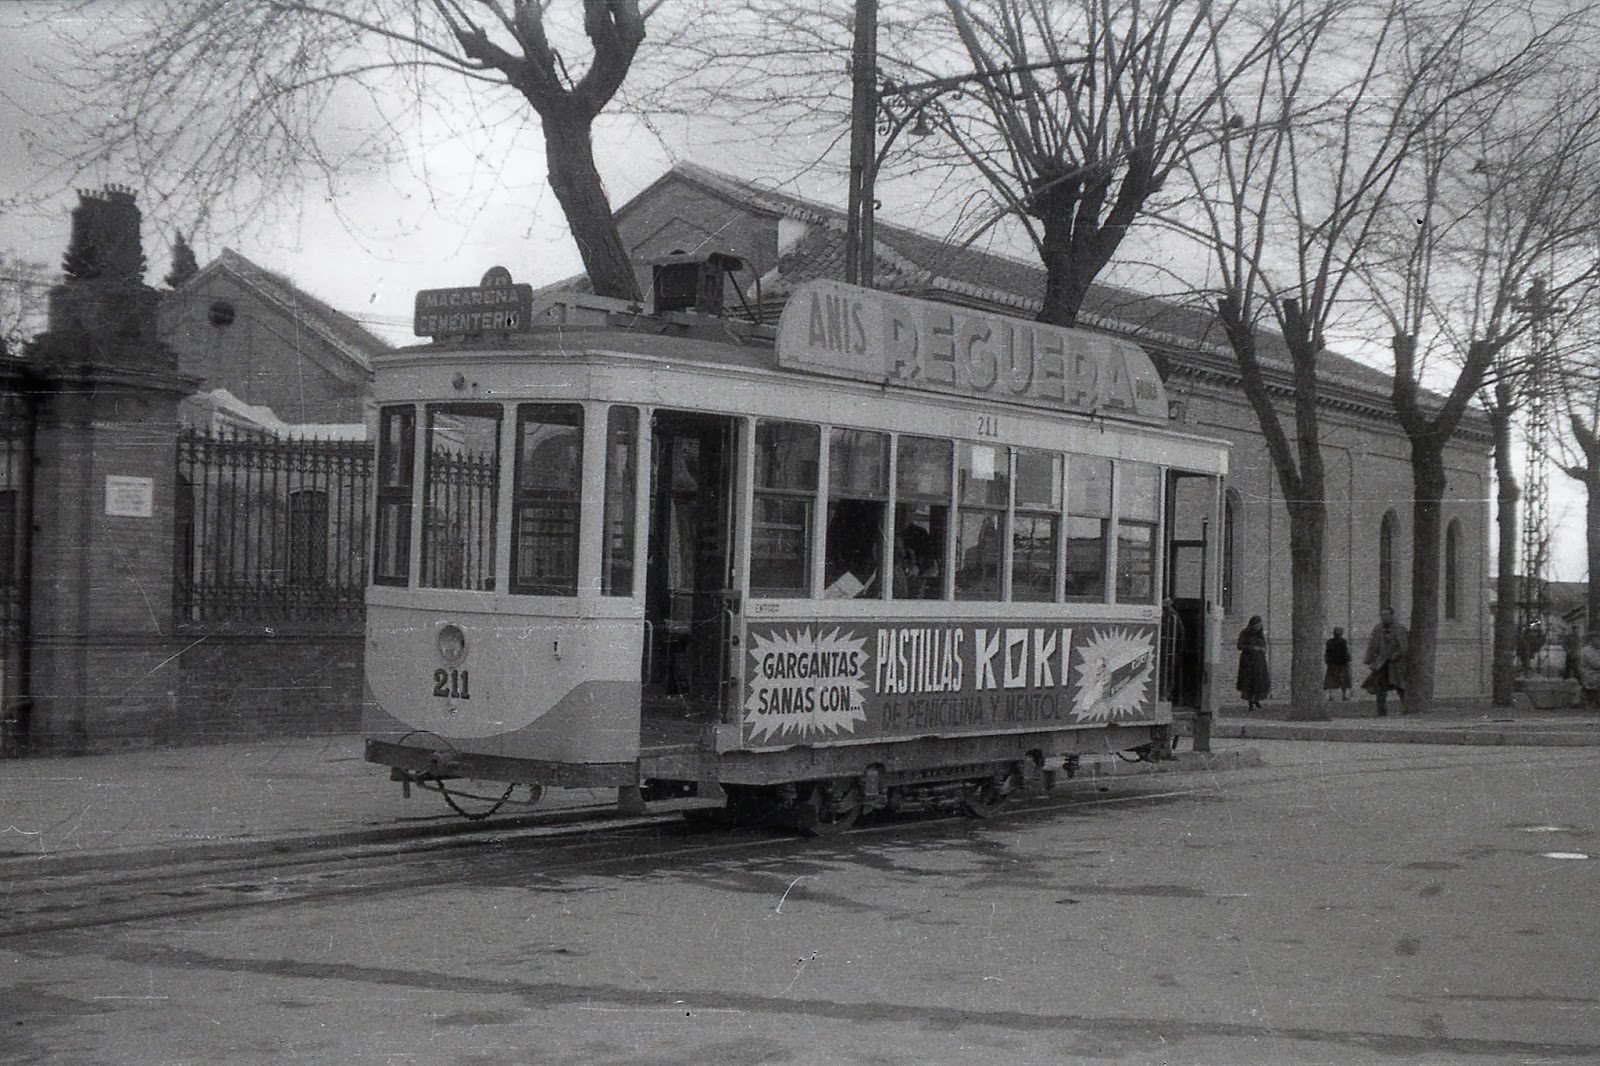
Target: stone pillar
{"x":104,"y":663}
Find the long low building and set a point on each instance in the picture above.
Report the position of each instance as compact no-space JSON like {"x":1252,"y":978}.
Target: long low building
{"x":784,"y":240}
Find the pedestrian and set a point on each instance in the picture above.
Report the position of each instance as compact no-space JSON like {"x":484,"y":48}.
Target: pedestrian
{"x":1255,"y":680}
{"x":1388,"y":656}
{"x":1589,"y":670}
{"x":1336,"y":657}
{"x":1571,"y":643}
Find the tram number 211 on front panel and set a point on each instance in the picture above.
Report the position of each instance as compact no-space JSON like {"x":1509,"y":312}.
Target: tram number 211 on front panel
{"x":451,"y":684}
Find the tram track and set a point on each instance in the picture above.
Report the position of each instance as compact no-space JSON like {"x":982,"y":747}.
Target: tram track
{"x":47,"y":898}
{"x":44,"y":901}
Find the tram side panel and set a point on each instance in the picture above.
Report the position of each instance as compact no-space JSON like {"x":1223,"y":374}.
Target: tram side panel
{"x":554,"y":690}
{"x":854,"y":681}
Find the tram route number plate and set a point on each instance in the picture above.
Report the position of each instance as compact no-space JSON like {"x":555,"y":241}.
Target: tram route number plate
{"x":452,"y":684}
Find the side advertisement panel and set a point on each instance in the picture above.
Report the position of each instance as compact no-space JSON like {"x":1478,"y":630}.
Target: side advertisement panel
{"x":814,"y":682}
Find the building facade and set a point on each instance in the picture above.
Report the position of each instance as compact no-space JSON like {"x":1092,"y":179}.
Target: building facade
{"x":785,"y":240}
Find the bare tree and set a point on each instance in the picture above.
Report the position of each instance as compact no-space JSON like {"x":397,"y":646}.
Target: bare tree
{"x":1498,"y":206}
{"x":1085,"y":109}
{"x":24,"y":294}
{"x":206,"y":102}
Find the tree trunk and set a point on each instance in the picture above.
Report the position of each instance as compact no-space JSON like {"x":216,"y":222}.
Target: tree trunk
{"x":575,"y":179}
{"x":1429,"y":481}
{"x":1507,"y":495}
{"x":1308,"y":521}
{"x":1592,"y":536}
{"x":1063,"y":289}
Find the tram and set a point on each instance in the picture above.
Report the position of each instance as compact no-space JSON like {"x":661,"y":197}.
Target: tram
{"x":888,"y":551}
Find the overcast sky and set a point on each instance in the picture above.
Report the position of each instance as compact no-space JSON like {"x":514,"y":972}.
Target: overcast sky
{"x":387,"y":235}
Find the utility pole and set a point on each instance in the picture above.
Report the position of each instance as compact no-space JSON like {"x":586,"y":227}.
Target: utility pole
{"x":859,"y":238}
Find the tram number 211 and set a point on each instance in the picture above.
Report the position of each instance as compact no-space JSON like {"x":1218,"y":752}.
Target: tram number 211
{"x":451,"y":684}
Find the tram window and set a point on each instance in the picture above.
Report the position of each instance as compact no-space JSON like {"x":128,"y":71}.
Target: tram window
{"x":1088,"y":516}
{"x":396,"y":450}
{"x":622,"y":464}
{"x":786,"y":460}
{"x":984,"y":496}
{"x":858,"y":493}
{"x":1138,"y":511}
{"x":921,"y":516}
{"x":545,"y":499}
{"x":459,"y":492}
{"x":1036,"y":527}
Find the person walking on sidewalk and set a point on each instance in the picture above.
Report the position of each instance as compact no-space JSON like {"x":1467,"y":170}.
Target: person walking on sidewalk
{"x":1336,"y":657}
{"x":1255,"y":680}
{"x":1589,"y":670}
{"x":1388,"y":653}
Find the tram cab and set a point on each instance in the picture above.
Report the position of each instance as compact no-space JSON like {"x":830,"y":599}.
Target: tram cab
{"x":889,"y":546}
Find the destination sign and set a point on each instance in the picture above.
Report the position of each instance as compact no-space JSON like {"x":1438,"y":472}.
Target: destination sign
{"x":846,"y":331}
{"x":498,"y":306}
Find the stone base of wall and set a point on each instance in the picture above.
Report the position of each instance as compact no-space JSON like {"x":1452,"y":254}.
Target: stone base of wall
{"x":193,"y":689}
{"x":240,"y":687}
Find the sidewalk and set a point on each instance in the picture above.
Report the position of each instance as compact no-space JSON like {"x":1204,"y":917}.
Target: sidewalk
{"x":284,"y":794}
{"x":1449,"y":722}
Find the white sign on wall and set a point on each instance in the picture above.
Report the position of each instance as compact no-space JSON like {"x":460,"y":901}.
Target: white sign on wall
{"x":130,"y":497}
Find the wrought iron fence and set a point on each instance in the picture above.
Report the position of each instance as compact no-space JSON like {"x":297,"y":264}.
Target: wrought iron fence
{"x":270,"y":529}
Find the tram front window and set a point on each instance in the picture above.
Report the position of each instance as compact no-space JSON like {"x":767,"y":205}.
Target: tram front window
{"x":547,"y":491}
{"x":921,"y":517}
{"x":786,"y":456}
{"x":396,"y":449}
{"x":858,"y":492}
{"x":1138,"y":511}
{"x":981,"y":532}
{"x":1088,"y":516}
{"x":459,"y":492}
{"x":622,"y":459}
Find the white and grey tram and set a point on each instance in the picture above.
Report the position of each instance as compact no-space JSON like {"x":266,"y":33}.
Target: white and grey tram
{"x":888,"y":551}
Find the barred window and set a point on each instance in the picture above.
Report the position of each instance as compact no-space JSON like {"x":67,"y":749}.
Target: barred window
{"x":1088,"y":516}
{"x":308,"y":537}
{"x":396,"y":451}
{"x":622,"y":476}
{"x":547,"y":494}
{"x":858,"y":493}
{"x":921,"y":516}
{"x":984,"y":493}
{"x":1036,"y":527}
{"x":787,"y":455}
{"x":1138,"y":512}
{"x":459,"y":491}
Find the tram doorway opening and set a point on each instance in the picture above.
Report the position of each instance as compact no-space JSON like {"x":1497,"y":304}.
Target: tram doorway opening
{"x":689,"y":567}
{"x":1191,"y":500}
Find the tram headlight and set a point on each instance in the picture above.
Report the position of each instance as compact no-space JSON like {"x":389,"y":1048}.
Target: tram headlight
{"x":452,"y":643}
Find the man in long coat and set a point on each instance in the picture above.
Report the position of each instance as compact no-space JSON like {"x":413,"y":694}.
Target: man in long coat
{"x":1388,"y":657}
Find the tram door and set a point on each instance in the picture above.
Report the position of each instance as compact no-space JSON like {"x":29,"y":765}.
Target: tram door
{"x":689,"y":565}
{"x":1190,"y":503}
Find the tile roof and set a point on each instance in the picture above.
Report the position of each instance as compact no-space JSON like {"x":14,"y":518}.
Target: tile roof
{"x":343,"y":333}
{"x":907,"y":260}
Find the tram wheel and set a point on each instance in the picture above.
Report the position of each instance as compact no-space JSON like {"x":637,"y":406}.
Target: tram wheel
{"x":984,"y":799}
{"x":826,"y":810}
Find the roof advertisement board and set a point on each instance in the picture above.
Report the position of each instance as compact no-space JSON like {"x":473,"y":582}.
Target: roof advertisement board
{"x":841,"y":330}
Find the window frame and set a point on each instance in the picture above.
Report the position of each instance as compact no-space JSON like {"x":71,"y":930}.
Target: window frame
{"x":520,"y":497}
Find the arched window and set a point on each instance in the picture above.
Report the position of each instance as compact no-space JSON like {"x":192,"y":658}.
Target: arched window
{"x":1229,"y":525}
{"x":1452,"y":568}
{"x":1386,"y":536}
{"x":308,"y":538}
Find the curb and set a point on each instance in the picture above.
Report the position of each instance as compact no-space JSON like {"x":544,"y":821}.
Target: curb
{"x":1511,"y":737}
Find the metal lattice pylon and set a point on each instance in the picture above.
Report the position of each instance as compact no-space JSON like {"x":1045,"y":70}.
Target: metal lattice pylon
{"x":1540,"y":309}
